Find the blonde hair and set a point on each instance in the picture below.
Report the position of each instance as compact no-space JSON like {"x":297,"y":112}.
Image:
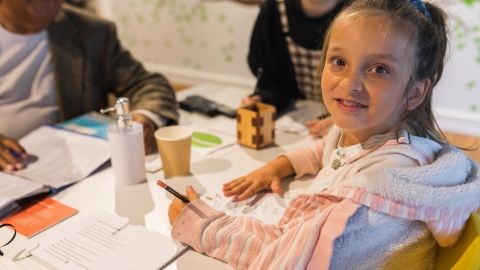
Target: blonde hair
{"x":429,"y":34}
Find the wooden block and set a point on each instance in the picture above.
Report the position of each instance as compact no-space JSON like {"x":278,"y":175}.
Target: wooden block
{"x":256,"y":125}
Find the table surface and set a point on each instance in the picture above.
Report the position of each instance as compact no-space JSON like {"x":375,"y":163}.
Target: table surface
{"x":146,"y":204}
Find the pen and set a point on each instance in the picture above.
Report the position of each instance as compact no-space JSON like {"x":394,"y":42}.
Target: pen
{"x":15,"y":154}
{"x":173,"y":191}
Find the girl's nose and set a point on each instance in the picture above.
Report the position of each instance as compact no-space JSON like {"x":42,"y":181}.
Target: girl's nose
{"x":352,"y":83}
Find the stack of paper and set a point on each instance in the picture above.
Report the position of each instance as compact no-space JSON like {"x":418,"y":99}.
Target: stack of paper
{"x":58,"y":158}
{"x":106,"y":241}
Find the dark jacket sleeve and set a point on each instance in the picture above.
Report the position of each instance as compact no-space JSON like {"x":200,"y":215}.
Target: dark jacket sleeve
{"x":268,"y":50}
{"x":90,"y":64}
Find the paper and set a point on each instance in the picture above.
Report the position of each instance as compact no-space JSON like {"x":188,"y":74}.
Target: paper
{"x":62,"y":157}
{"x":7,"y":264}
{"x":294,"y":121}
{"x":15,"y":188}
{"x":288,"y":124}
{"x":106,"y":241}
{"x":92,"y":123}
{"x":265,"y":206}
{"x":39,"y":215}
{"x":206,"y":141}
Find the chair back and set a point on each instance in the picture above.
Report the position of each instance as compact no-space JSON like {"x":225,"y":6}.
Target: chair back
{"x":465,"y":254}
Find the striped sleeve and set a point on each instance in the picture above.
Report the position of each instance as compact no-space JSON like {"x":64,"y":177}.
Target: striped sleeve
{"x":247,"y":243}
{"x":235,"y":240}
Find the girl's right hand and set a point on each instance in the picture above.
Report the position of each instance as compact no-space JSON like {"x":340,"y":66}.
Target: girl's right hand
{"x":267,"y":177}
{"x":264,"y":178}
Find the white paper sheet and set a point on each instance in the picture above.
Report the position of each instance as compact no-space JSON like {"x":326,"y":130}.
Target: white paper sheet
{"x":294,"y":121}
{"x":106,"y":241}
{"x":62,"y":157}
{"x":265,"y":206}
{"x":7,"y":264}
{"x":15,"y":188}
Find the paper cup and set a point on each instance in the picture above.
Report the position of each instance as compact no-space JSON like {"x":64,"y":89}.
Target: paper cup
{"x":174,"y":146}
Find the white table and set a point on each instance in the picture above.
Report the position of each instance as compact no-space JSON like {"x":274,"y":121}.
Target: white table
{"x":147,"y":204}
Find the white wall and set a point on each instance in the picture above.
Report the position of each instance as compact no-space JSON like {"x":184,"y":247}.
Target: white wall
{"x":193,"y":41}
{"x":457,"y":102}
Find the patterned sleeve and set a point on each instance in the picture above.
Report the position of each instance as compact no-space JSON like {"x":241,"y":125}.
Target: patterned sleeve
{"x":247,"y":243}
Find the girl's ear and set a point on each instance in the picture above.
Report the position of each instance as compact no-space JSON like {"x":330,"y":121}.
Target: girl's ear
{"x":417,"y":93}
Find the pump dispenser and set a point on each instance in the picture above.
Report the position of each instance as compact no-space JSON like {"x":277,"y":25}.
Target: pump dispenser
{"x":126,"y":145}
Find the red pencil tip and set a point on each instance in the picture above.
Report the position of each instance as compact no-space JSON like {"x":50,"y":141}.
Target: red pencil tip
{"x":161,"y":183}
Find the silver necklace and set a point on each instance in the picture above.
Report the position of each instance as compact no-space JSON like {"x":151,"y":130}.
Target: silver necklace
{"x":339,"y":161}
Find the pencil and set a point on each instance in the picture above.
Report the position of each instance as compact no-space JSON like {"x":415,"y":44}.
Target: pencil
{"x":172,"y":191}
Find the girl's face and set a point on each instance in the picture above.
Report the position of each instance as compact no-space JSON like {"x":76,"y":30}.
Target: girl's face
{"x":366,"y":72}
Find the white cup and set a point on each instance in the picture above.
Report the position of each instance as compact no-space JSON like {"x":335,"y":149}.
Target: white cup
{"x":174,"y":146}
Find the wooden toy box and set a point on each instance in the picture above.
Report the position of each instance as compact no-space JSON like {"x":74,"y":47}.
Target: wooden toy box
{"x":256,"y":125}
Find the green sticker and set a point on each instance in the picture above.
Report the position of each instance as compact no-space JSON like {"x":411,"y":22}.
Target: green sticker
{"x":205,"y":140}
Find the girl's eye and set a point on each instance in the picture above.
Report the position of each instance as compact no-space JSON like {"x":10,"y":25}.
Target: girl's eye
{"x":379,"y":70}
{"x":337,"y":61}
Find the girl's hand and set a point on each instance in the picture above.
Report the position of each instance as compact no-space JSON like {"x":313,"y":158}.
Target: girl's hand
{"x":319,"y":128}
{"x":177,"y":205}
{"x":265,"y":178}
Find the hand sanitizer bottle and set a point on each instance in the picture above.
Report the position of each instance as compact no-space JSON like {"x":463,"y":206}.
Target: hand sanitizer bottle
{"x":126,"y":145}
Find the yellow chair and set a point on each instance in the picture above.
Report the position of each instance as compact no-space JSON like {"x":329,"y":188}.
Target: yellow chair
{"x":465,"y":254}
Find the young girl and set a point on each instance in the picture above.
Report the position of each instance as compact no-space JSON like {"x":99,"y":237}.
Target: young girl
{"x":388,"y":188}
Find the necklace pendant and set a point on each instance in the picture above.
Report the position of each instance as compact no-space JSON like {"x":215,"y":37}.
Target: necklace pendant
{"x":336,"y":164}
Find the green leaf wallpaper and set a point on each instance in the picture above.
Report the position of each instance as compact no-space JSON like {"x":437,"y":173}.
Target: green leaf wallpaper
{"x":189,"y":34}
{"x":459,"y":89}
{"x":471,"y":2}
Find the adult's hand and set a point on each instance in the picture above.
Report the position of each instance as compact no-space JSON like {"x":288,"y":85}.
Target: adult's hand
{"x":11,"y":154}
{"x":177,"y":205}
{"x":249,"y":100}
{"x":149,"y":128}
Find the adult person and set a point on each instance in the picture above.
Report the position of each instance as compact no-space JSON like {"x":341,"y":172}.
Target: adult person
{"x":284,"y":53}
{"x":57,"y":62}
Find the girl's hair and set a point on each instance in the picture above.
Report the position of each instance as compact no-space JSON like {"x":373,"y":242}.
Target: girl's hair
{"x":428,"y":29}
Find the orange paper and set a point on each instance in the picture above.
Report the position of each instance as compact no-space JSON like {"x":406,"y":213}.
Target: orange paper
{"x":40,"y":215}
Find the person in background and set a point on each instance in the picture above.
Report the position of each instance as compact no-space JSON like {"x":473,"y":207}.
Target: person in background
{"x":284,"y":53}
{"x":58,"y":62}
{"x":388,"y":188}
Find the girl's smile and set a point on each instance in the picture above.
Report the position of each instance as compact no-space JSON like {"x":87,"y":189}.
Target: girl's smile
{"x":349,"y":105}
